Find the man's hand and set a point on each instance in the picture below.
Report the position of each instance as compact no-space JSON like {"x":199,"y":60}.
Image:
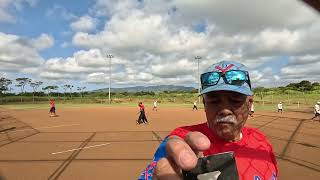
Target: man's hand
{"x":181,"y":155}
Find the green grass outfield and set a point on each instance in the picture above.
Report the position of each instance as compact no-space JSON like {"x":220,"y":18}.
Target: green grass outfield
{"x":76,"y":105}
{"x":266,"y":107}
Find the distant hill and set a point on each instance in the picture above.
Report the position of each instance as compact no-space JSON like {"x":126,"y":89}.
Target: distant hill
{"x":160,"y":88}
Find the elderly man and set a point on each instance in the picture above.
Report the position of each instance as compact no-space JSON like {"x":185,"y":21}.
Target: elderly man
{"x":227,"y":98}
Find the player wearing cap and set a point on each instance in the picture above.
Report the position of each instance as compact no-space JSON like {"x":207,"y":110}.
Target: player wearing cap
{"x":227,"y":97}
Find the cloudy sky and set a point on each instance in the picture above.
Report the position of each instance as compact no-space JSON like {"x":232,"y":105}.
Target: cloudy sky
{"x":154,"y":42}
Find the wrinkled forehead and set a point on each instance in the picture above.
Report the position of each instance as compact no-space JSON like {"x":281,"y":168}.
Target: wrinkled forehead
{"x":225,"y":66}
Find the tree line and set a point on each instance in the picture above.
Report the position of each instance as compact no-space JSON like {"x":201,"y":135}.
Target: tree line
{"x":303,"y":86}
{"x":21,"y":83}
{"x":5,"y":88}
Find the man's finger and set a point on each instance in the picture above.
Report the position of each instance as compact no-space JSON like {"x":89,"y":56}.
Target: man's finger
{"x":181,"y":153}
{"x":197,"y":141}
{"x":165,"y":170}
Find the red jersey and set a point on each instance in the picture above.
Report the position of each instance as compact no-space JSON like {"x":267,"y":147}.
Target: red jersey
{"x":52,"y":104}
{"x":141,"y":107}
{"x":253,"y":153}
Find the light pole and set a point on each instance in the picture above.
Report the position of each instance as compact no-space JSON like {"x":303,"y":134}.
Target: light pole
{"x":110,"y":56}
{"x":198,"y":58}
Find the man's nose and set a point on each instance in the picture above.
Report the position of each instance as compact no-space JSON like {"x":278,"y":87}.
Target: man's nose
{"x":224,"y":108}
{"x":224,"y":112}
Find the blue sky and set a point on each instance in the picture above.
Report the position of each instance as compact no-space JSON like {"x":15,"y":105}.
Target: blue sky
{"x":32,"y":21}
{"x":155,"y":42}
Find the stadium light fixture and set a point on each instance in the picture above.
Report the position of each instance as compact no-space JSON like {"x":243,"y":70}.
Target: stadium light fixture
{"x":198,"y":58}
{"x":110,"y":56}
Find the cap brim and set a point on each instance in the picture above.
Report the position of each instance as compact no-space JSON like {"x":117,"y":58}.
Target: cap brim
{"x":226,"y":87}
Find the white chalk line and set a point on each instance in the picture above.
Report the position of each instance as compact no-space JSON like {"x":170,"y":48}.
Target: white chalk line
{"x":80,"y":148}
{"x":47,"y":127}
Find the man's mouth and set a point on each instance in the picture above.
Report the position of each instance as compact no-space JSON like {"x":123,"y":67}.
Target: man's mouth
{"x":226,"y":119}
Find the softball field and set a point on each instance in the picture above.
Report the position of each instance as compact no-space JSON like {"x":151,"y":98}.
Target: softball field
{"x":106,"y":143}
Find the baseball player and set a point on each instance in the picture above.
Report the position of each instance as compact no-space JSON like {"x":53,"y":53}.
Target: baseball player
{"x":280,"y":107}
{"x":155,"y":106}
{"x":251,"y":110}
{"x":195,"y":106}
{"x":52,"y":110}
{"x":142,"y":117}
{"x":316,"y":111}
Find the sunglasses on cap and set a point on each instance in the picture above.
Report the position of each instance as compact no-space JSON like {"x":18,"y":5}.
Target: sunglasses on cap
{"x":232,"y":77}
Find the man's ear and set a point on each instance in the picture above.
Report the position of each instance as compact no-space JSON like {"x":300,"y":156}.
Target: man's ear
{"x":250,"y":101}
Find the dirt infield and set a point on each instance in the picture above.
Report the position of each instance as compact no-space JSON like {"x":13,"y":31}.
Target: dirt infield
{"x":106,"y":143}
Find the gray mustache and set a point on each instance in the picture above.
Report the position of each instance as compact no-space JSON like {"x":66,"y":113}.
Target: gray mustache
{"x":226,"y":119}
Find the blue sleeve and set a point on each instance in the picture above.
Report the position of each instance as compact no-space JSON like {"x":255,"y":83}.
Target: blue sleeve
{"x":160,"y":153}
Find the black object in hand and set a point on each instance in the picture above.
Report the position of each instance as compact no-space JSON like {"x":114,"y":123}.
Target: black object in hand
{"x":222,"y":162}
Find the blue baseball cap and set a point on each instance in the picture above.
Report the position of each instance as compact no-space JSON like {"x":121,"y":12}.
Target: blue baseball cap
{"x":222,"y":67}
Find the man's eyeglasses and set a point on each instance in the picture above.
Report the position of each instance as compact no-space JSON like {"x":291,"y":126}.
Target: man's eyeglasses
{"x":233,"y":77}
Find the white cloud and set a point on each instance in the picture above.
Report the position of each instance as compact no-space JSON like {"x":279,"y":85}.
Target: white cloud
{"x":137,"y":29}
{"x":55,"y":76}
{"x":84,"y":24}
{"x":263,"y":77}
{"x":307,"y":60}
{"x":141,"y":31}
{"x":68,"y":65}
{"x":155,"y":42}
{"x":90,"y":58}
{"x":17,"y":53}
{"x":80,"y":65}
{"x":173,"y":69}
{"x":240,"y":16}
{"x":165,"y":32}
{"x":44,"y":41}
{"x":96,"y":78}
{"x":303,"y":67}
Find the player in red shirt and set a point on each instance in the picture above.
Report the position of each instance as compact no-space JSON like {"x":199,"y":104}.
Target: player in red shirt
{"x":52,"y":111}
{"x":142,"y":117}
{"x":227,"y":98}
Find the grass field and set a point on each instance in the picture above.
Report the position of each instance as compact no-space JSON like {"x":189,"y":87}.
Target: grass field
{"x":290,"y":98}
{"x":149,"y":105}
{"x":82,"y":105}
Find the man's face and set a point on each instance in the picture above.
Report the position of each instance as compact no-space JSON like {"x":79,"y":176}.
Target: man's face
{"x":227,"y":113}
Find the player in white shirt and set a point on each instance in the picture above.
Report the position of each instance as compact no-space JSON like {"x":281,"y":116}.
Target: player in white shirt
{"x":251,"y":110}
{"x":280,"y":107}
{"x":195,"y":106}
{"x":317,"y":111}
{"x":155,"y":106}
